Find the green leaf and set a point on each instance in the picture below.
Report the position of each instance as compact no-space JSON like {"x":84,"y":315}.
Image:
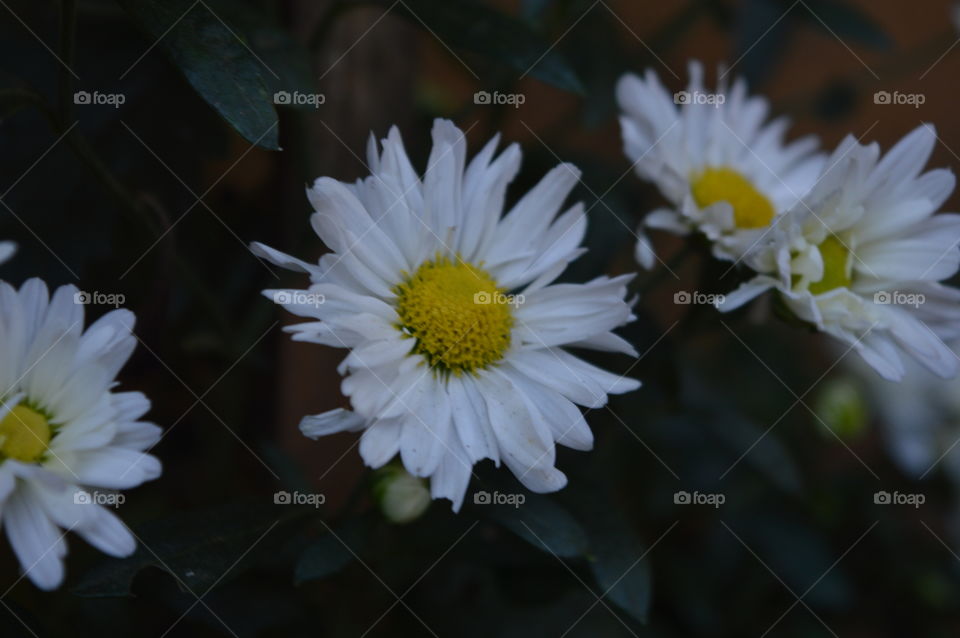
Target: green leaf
{"x":847,"y":22}
{"x":286,"y":63}
{"x":199,"y":548}
{"x":503,"y":39}
{"x":544,"y":524}
{"x":617,"y":555}
{"x":617,"y":565}
{"x":215,"y":61}
{"x":762,"y":35}
{"x":799,"y":554}
{"x":763,"y":452}
{"x":324,"y":558}
{"x":290,"y":473}
{"x":330,"y":553}
{"x":739,"y":435}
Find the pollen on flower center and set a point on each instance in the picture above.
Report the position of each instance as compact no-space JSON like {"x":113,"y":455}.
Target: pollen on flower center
{"x":24,"y":434}
{"x":461,"y":320}
{"x":836,"y":266}
{"x":751,"y":208}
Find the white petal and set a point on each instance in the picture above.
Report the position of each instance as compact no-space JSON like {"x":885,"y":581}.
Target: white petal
{"x":452,"y":477}
{"x":423,"y":441}
{"x":526,"y":445}
{"x":36,"y":541}
{"x":338,"y":420}
{"x":564,"y":419}
{"x":115,"y":467}
{"x":471,"y":420}
{"x":380,"y":442}
{"x":644,"y":252}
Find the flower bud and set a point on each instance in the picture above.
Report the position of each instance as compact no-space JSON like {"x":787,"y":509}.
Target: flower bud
{"x":402,"y":497}
{"x":842,"y":408}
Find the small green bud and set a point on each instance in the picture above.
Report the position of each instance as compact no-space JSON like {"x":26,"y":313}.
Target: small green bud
{"x":402,"y":497}
{"x":842,"y":408}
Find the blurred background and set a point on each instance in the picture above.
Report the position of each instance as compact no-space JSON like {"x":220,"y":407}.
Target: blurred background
{"x":145,"y":143}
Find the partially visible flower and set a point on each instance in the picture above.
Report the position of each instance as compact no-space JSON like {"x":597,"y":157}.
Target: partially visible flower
{"x":862,"y":255}
{"x":403,"y":497}
{"x":919,"y":416}
{"x":457,"y":333}
{"x":724,"y":169}
{"x":67,"y":440}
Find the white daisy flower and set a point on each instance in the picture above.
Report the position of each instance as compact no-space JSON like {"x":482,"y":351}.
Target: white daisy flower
{"x":457,"y":337}
{"x":725,"y":170}
{"x":861,"y":257}
{"x":64,"y":433}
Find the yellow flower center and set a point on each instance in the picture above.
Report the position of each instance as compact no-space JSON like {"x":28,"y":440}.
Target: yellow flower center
{"x":751,"y":208}
{"x":836,"y":266}
{"x":24,"y":434}
{"x":461,"y":320}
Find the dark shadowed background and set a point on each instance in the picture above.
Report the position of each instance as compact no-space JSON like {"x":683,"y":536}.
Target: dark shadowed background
{"x":154,"y":186}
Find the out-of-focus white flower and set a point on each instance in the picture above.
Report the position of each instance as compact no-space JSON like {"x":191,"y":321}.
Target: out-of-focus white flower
{"x":456,"y":332}
{"x":725,"y":170}
{"x":920,"y":417}
{"x":862,"y":255}
{"x":67,"y":440}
